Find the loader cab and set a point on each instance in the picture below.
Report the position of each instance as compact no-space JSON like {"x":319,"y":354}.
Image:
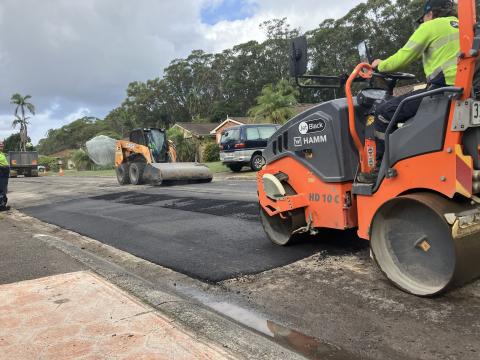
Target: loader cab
{"x":153,"y":138}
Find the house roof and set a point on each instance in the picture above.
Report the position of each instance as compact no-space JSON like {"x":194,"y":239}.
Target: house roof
{"x":63,"y":154}
{"x":243,"y":120}
{"x":197,"y":129}
{"x":223,"y":124}
{"x":239,"y":120}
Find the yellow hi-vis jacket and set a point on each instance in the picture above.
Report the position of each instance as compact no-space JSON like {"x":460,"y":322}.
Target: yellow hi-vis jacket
{"x":3,"y":159}
{"x":438,"y":41}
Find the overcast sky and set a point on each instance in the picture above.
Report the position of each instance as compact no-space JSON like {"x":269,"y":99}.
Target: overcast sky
{"x":76,"y":57}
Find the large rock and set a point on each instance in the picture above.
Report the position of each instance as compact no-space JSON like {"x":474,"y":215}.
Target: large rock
{"x":101,"y":149}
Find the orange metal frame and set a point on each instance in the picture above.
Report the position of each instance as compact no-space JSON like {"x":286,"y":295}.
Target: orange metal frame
{"x":446,"y":172}
{"x":124,"y":149}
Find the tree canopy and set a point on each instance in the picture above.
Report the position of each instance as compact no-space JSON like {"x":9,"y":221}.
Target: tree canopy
{"x":275,"y":103}
{"x":207,"y":87}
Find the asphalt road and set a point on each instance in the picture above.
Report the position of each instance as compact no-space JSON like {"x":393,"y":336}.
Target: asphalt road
{"x":330,"y":290}
{"x":207,"y":236}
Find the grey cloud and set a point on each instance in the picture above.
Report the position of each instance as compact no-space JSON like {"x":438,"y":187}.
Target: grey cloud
{"x":83,"y":53}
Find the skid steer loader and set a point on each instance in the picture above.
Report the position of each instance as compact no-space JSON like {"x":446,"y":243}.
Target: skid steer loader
{"x":150,"y":158}
{"x":422,"y":216}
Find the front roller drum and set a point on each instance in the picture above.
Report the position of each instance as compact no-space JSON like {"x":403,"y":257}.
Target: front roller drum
{"x":281,"y":229}
{"x":418,"y":250}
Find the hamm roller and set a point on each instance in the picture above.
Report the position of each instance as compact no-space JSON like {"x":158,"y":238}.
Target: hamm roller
{"x":422,"y":216}
{"x":150,"y":158}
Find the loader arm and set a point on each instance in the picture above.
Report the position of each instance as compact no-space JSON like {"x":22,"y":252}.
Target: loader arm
{"x":125,"y":148}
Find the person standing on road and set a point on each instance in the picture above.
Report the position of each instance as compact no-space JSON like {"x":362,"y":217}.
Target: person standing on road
{"x":4,"y":174}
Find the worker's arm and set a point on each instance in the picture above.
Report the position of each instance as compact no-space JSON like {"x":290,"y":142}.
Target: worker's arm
{"x":412,"y":51}
{"x":3,"y":160}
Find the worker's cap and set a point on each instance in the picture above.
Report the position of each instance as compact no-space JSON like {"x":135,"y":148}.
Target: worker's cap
{"x":435,"y":4}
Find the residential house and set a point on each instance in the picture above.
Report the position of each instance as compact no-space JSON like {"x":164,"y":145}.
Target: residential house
{"x":195,"y":130}
{"x":66,"y":157}
{"x":235,"y":121}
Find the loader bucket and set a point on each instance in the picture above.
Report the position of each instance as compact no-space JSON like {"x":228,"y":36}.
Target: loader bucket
{"x":158,"y":173}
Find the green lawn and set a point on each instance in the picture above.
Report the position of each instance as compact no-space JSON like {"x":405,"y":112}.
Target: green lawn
{"x":217,"y":167}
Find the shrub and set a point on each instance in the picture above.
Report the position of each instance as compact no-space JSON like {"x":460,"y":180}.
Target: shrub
{"x":211,"y":152}
{"x":81,"y":160}
{"x":50,"y":163}
{"x":186,"y":148}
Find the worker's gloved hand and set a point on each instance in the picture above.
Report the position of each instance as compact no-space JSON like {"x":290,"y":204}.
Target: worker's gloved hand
{"x":376,"y":63}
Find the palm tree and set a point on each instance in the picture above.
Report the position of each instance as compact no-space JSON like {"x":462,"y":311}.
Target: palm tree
{"x":275,"y":103}
{"x":22,"y":106}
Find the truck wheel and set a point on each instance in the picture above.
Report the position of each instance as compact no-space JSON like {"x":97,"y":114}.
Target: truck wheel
{"x":136,"y":173}
{"x":122,"y":174}
{"x":235,"y":167}
{"x":257,"y":162}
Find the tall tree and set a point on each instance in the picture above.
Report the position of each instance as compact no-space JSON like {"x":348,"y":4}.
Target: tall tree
{"x":13,"y":143}
{"x":22,"y":106}
{"x":275,"y":103}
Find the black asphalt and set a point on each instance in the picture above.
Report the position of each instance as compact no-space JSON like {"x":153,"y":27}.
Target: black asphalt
{"x":24,"y":258}
{"x":196,"y":234}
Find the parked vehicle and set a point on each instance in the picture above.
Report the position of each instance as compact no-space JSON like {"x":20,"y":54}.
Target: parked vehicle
{"x":243,"y":145}
{"x":23,"y":163}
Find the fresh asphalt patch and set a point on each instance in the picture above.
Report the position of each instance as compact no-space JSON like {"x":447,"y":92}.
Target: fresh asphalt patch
{"x":205,"y":238}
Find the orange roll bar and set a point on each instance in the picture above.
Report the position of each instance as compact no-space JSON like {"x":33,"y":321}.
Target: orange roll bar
{"x":365,"y":71}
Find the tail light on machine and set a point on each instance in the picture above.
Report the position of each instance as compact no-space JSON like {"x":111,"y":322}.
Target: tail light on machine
{"x":240,"y":146}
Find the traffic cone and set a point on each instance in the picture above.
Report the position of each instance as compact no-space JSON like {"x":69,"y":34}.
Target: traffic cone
{"x":60,"y":172}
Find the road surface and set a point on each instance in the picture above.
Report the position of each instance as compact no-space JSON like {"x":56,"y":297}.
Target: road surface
{"x":325,"y":292}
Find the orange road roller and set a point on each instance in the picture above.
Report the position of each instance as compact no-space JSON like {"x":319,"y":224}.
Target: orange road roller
{"x":422,"y":213}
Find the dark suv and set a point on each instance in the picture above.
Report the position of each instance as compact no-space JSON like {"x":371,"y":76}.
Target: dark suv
{"x":244,"y":144}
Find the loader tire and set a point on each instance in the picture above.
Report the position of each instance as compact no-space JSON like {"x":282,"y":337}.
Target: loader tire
{"x":136,"y":173}
{"x":122,"y":174}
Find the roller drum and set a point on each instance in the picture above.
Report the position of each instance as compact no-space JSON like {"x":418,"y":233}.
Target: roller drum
{"x":426,"y":244}
{"x":172,"y":172}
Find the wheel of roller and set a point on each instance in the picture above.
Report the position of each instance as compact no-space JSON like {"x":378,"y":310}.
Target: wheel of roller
{"x":279,"y":230}
{"x":136,"y":173}
{"x":122,"y":174}
{"x":414,"y":246}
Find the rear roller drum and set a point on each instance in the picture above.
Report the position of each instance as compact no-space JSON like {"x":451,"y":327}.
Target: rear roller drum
{"x":414,"y":246}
